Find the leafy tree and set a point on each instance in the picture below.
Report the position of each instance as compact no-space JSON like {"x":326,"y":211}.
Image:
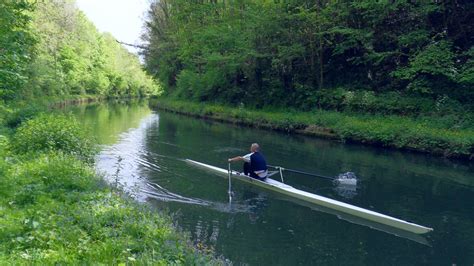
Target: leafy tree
{"x":285,"y":53}
{"x":16,"y":45}
{"x":69,"y":57}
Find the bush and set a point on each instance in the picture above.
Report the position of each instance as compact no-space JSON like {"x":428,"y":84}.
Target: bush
{"x":388,"y":103}
{"x":4,"y":165}
{"x":22,"y":115}
{"x":47,"y":133}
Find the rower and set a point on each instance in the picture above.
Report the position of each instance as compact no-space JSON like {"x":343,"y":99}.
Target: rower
{"x":255,"y":165}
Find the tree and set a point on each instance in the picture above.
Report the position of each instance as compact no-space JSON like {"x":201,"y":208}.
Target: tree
{"x":286,"y":53}
{"x":16,"y":46}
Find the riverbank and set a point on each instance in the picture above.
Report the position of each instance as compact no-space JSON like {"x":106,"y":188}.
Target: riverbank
{"x":421,"y":135}
{"x":55,"y":209}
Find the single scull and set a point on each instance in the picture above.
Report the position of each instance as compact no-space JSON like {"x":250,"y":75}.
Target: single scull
{"x":320,"y":200}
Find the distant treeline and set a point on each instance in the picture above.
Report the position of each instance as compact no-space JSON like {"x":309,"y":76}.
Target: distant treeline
{"x":49,"y":48}
{"x":376,"y":56}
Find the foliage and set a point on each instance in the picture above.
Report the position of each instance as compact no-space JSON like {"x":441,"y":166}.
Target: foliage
{"x":366,"y":101}
{"x":289,"y":53}
{"x":73,"y":58}
{"x":18,"y":116}
{"x":399,"y":72}
{"x":50,"y":48}
{"x":46,"y":133}
{"x":16,"y":43}
{"x":449,"y":138}
{"x":434,"y":64}
{"x":54,"y":210}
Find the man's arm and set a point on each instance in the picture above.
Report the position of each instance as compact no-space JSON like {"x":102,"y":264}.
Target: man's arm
{"x":235,"y":159}
{"x":245,"y":158}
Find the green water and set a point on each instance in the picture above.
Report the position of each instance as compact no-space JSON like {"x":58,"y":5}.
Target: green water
{"x":143,"y":151}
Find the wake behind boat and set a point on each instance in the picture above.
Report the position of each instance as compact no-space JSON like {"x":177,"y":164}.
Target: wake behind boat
{"x":285,"y":189}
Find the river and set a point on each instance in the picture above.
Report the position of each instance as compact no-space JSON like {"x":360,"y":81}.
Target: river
{"x":143,"y":152}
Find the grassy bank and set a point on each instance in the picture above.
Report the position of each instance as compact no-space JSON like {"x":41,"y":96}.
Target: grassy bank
{"x":54,"y":209}
{"x":423,"y":134}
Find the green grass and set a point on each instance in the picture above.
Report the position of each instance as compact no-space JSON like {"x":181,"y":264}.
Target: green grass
{"x":54,"y":209}
{"x":424,"y":134}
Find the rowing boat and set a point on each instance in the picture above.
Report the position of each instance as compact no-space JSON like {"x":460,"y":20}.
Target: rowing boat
{"x":288,"y":190}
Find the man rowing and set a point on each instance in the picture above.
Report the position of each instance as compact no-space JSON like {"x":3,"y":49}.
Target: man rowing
{"x":255,"y":165}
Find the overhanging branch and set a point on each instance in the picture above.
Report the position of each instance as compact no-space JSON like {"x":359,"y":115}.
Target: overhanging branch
{"x":132,"y":45}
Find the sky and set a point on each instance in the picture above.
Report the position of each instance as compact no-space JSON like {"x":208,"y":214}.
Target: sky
{"x":122,"y":18}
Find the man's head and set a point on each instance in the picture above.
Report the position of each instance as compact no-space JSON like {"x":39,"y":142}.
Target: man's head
{"x":254,"y":147}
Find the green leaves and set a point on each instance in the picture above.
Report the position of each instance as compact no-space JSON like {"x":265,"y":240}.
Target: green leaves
{"x":59,"y":213}
{"x":50,"y":48}
{"x":73,"y":58}
{"x":267,"y":51}
{"x":436,"y":59}
{"x":16,"y":43}
{"x":466,"y":75}
{"x":56,"y":133}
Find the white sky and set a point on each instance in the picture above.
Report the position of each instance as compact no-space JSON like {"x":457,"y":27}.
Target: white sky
{"x":122,"y":18}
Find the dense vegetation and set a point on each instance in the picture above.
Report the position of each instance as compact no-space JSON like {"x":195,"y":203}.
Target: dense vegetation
{"x":408,"y":64}
{"x":296,"y":53}
{"x":16,"y":46}
{"x":49,"y":48}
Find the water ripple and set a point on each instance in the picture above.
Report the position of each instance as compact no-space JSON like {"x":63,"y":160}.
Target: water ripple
{"x":122,"y":163}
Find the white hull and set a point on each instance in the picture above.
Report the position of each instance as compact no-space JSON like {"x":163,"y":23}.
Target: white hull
{"x":322,"y":201}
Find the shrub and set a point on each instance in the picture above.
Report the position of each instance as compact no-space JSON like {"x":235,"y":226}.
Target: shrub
{"x":4,"y":166}
{"x":22,"y":115}
{"x":398,"y":103}
{"x":47,"y":133}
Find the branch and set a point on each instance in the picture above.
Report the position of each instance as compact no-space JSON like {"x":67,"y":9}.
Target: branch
{"x":133,"y":45}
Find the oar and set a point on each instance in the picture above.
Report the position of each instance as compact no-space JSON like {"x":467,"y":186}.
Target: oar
{"x":230,"y":183}
{"x":345,"y":181}
{"x":302,"y":172}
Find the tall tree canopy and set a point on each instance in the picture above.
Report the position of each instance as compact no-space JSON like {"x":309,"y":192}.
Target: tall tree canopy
{"x":16,"y":43}
{"x":290,"y":53}
{"x":51,"y":48}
